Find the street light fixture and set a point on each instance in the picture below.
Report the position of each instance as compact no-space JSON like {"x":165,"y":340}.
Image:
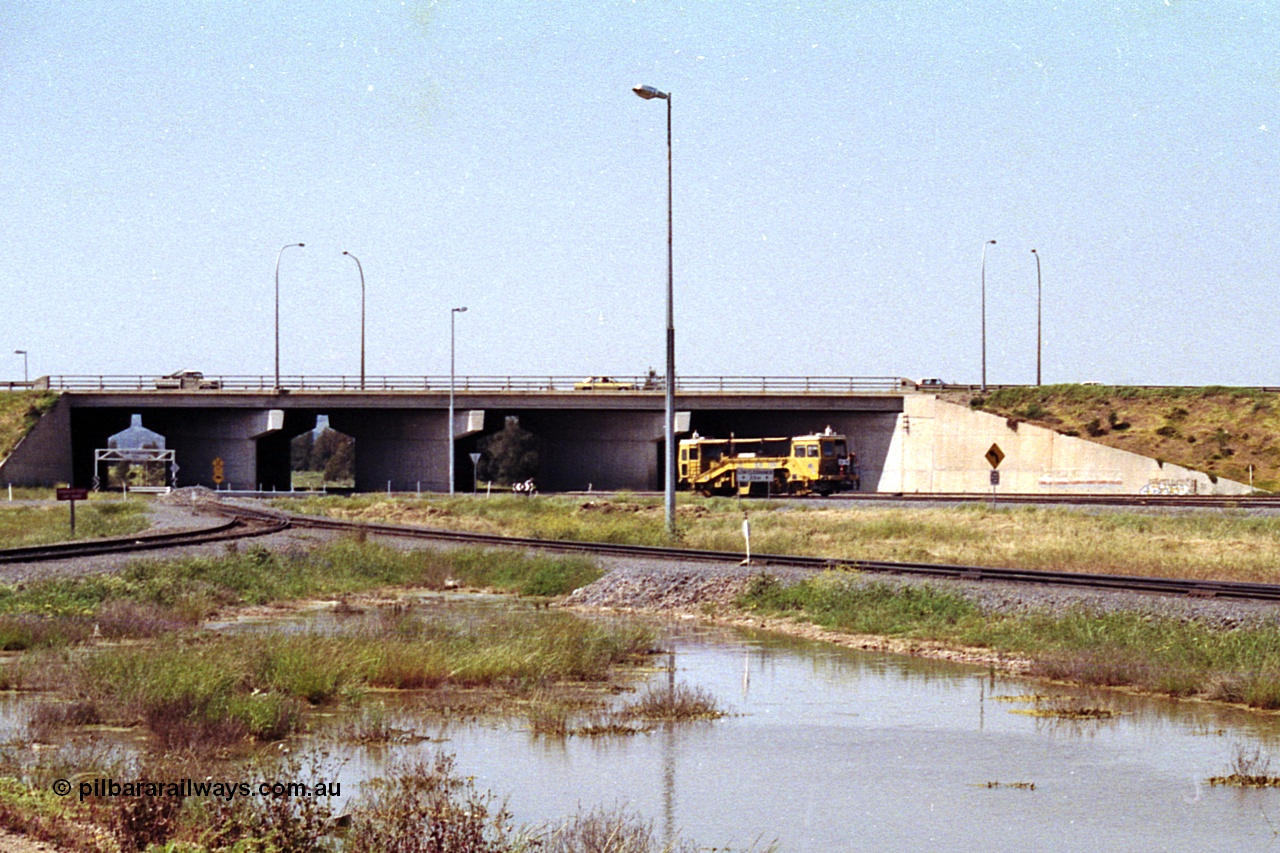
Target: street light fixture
{"x":984,"y":312}
{"x":453,"y":313}
{"x":669,"y":430}
{"x":1038,"y":293}
{"x":361,"y":268}
{"x":282,"y":248}
{"x":23,"y":353}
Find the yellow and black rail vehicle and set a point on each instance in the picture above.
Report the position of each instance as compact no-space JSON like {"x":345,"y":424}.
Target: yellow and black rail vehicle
{"x":821,"y":463}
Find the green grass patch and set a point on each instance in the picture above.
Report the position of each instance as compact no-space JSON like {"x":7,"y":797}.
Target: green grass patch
{"x":832,"y":601}
{"x":201,"y":691}
{"x":97,"y":518}
{"x":1129,"y":649}
{"x":153,"y":598}
{"x":192,"y":588}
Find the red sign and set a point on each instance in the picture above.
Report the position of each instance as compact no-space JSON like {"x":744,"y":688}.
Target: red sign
{"x":73,"y":494}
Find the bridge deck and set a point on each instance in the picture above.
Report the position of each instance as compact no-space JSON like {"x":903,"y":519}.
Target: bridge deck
{"x":619,"y":385}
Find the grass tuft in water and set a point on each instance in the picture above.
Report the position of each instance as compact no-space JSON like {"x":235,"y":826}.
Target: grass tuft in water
{"x":1250,"y":768}
{"x":678,"y":703}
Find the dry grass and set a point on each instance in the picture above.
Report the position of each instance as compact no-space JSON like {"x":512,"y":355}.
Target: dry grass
{"x":1212,"y":545}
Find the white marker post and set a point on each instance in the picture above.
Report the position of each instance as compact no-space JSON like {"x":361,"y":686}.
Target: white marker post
{"x":746,"y":535}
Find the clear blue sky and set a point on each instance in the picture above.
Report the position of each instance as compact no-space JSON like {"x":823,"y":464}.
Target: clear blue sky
{"x":838,"y":166}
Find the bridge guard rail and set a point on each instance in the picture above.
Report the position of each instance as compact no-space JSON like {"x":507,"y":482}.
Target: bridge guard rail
{"x":488,"y":384}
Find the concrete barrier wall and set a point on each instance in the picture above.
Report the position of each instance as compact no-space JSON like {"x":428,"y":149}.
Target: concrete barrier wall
{"x":939,"y":447}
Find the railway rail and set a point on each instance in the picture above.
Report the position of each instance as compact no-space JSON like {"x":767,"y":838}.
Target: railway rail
{"x":1125,"y":583}
{"x":238,"y":527}
{"x":1167,"y":501}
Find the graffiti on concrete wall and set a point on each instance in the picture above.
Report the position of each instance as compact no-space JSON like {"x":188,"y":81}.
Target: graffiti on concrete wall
{"x":1169,"y":487}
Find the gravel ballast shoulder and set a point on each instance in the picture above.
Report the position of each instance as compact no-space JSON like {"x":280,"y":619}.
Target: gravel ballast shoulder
{"x":660,"y":586}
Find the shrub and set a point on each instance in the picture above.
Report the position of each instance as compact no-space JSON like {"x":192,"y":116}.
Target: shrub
{"x":425,"y":807}
{"x":607,"y":831}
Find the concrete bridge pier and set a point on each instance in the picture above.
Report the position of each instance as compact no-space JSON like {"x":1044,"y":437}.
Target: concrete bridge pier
{"x":406,"y":447}
{"x":253,"y":445}
{"x":271,"y":446}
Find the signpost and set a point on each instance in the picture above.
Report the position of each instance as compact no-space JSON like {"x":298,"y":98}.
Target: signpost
{"x":73,"y":495}
{"x":475,"y":473}
{"x":994,"y":456}
{"x":756,"y":475}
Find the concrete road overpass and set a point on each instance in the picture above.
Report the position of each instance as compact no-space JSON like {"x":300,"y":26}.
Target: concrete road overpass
{"x":599,"y":436}
{"x":603,"y":435}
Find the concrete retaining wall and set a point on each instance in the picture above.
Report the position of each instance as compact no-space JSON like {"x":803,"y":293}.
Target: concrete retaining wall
{"x":43,"y":457}
{"x":939,"y":447}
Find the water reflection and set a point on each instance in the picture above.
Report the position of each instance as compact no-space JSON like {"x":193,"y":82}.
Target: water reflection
{"x":834,"y":749}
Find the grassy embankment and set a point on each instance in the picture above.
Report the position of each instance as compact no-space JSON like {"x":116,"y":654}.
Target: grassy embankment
{"x":1162,"y":656}
{"x":1220,"y":431}
{"x":19,"y":411}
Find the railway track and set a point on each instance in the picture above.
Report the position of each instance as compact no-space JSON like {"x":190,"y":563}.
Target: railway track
{"x":1245,"y":502}
{"x":244,"y":522}
{"x":1125,"y":583}
{"x":238,"y":527}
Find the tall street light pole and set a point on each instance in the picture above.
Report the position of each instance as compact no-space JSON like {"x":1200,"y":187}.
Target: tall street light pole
{"x":25,"y":379}
{"x":984,"y":312}
{"x":453,"y":313}
{"x":282,"y":248}
{"x":361,"y":268}
{"x":1038,"y":300}
{"x":669,"y":433}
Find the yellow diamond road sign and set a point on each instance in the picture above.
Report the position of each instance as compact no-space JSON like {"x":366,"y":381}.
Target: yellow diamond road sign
{"x":995,"y":456}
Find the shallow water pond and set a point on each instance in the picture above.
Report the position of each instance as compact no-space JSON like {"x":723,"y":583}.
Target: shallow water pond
{"x":830,"y":749}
